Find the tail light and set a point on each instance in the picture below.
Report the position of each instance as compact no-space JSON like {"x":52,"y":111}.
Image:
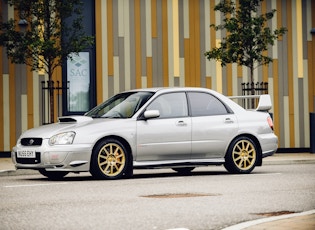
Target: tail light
{"x":270,"y":122}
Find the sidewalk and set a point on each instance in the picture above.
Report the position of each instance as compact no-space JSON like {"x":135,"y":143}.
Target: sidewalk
{"x":298,"y":221}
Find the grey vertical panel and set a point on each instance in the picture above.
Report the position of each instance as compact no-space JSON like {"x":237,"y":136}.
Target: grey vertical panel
{"x":121,"y":54}
{"x":159,"y":44}
{"x":132,"y":45}
{"x":143,"y":39}
{"x":304,"y":30}
{"x":115,"y":28}
{"x":110,"y":86}
{"x":176,"y":81}
{"x":202,"y":45}
{"x":181,"y":28}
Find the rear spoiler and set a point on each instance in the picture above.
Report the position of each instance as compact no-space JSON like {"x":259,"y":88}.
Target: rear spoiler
{"x":264,"y":103}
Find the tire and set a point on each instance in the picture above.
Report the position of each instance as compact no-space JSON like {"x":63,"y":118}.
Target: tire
{"x":53,"y":175}
{"x":242,"y":156}
{"x":184,"y":171}
{"x":110,"y":160}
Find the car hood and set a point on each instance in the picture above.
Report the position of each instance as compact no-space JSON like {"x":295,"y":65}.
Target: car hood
{"x":69,"y":123}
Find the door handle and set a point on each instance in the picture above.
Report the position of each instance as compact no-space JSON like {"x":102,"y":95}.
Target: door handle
{"x":228,"y":120}
{"x":181,"y":123}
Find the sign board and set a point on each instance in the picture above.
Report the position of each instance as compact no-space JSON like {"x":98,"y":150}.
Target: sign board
{"x":78,"y":75}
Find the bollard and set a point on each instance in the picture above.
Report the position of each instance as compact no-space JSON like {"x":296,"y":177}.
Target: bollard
{"x":312,"y":132}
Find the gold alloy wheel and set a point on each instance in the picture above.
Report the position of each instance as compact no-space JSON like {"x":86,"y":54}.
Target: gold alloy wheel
{"x":244,"y":154}
{"x":111,"y":159}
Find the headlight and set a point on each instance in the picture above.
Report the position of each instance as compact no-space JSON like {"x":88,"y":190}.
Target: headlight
{"x":62,"y":139}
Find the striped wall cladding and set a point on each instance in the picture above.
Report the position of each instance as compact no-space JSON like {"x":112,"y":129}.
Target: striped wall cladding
{"x":153,"y":43}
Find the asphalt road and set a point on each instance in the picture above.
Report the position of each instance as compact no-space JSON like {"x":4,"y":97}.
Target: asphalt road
{"x":156,"y":199}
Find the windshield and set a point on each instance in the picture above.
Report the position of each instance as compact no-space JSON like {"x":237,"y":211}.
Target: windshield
{"x":123,"y":105}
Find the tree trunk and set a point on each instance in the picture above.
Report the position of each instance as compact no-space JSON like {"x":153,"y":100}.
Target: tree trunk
{"x":252,"y":85}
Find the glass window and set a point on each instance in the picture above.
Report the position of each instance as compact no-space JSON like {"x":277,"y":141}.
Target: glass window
{"x":203,"y":104}
{"x":123,"y":105}
{"x":170,"y":105}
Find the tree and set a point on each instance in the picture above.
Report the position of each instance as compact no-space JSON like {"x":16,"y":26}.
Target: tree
{"x":48,"y":32}
{"x":247,"y":35}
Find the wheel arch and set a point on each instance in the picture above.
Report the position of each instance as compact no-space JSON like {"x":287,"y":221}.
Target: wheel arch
{"x":122,"y":140}
{"x":255,"y":140}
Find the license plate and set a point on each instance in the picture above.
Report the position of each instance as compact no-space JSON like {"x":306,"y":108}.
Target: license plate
{"x":26,"y":154}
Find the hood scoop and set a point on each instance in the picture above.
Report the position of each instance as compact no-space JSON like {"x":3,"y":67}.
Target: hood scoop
{"x":74,"y":119}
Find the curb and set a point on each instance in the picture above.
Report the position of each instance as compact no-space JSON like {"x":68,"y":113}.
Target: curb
{"x":266,"y":220}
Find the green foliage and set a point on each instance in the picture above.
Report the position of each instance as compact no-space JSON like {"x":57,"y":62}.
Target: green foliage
{"x":247,"y":34}
{"x":53,"y":31}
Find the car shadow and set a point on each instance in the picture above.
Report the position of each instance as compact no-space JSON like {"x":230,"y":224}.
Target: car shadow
{"x":138,"y":174}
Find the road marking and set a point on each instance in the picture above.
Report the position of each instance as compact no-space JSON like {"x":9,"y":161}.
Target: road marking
{"x":261,"y":174}
{"x":33,"y":185}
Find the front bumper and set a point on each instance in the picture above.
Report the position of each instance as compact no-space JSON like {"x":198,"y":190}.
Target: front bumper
{"x":70,"y":158}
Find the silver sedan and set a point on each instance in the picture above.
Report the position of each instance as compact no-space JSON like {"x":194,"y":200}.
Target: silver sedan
{"x":178,"y":128}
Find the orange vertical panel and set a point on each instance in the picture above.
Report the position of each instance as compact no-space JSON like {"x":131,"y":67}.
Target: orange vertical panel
{"x":165,"y":43}
{"x":239,"y":71}
{"x":154,"y":19}
{"x":138,"y":42}
{"x":192,"y":37}
{"x":208,"y":82}
{"x":197,"y":42}
{"x":229,"y":79}
{"x":290,"y":74}
{"x":149,"y":72}
{"x":275,"y":73}
{"x":110,"y":42}
{"x":187,"y":61}
{"x":212,"y":21}
{"x":98,"y":38}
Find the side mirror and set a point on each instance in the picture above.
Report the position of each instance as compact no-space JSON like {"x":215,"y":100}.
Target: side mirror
{"x":151,"y":114}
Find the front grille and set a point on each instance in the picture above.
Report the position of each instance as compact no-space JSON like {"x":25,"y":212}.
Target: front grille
{"x":35,"y":160}
{"x":31,"y":141}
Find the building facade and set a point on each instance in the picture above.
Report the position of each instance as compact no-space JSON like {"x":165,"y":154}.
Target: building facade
{"x":154,"y":43}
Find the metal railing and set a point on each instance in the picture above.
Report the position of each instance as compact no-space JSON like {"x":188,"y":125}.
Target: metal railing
{"x":58,"y":90}
{"x":249,"y":90}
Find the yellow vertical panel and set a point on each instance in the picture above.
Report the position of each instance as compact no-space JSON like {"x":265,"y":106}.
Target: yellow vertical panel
{"x":110,"y":42}
{"x":138,"y":43}
{"x":187,"y":62}
{"x":154,"y":19}
{"x":98,"y":41}
{"x":299,"y":38}
{"x":30,"y":104}
{"x":290,"y":75}
{"x":165,"y":43}
{"x":276,"y":118}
